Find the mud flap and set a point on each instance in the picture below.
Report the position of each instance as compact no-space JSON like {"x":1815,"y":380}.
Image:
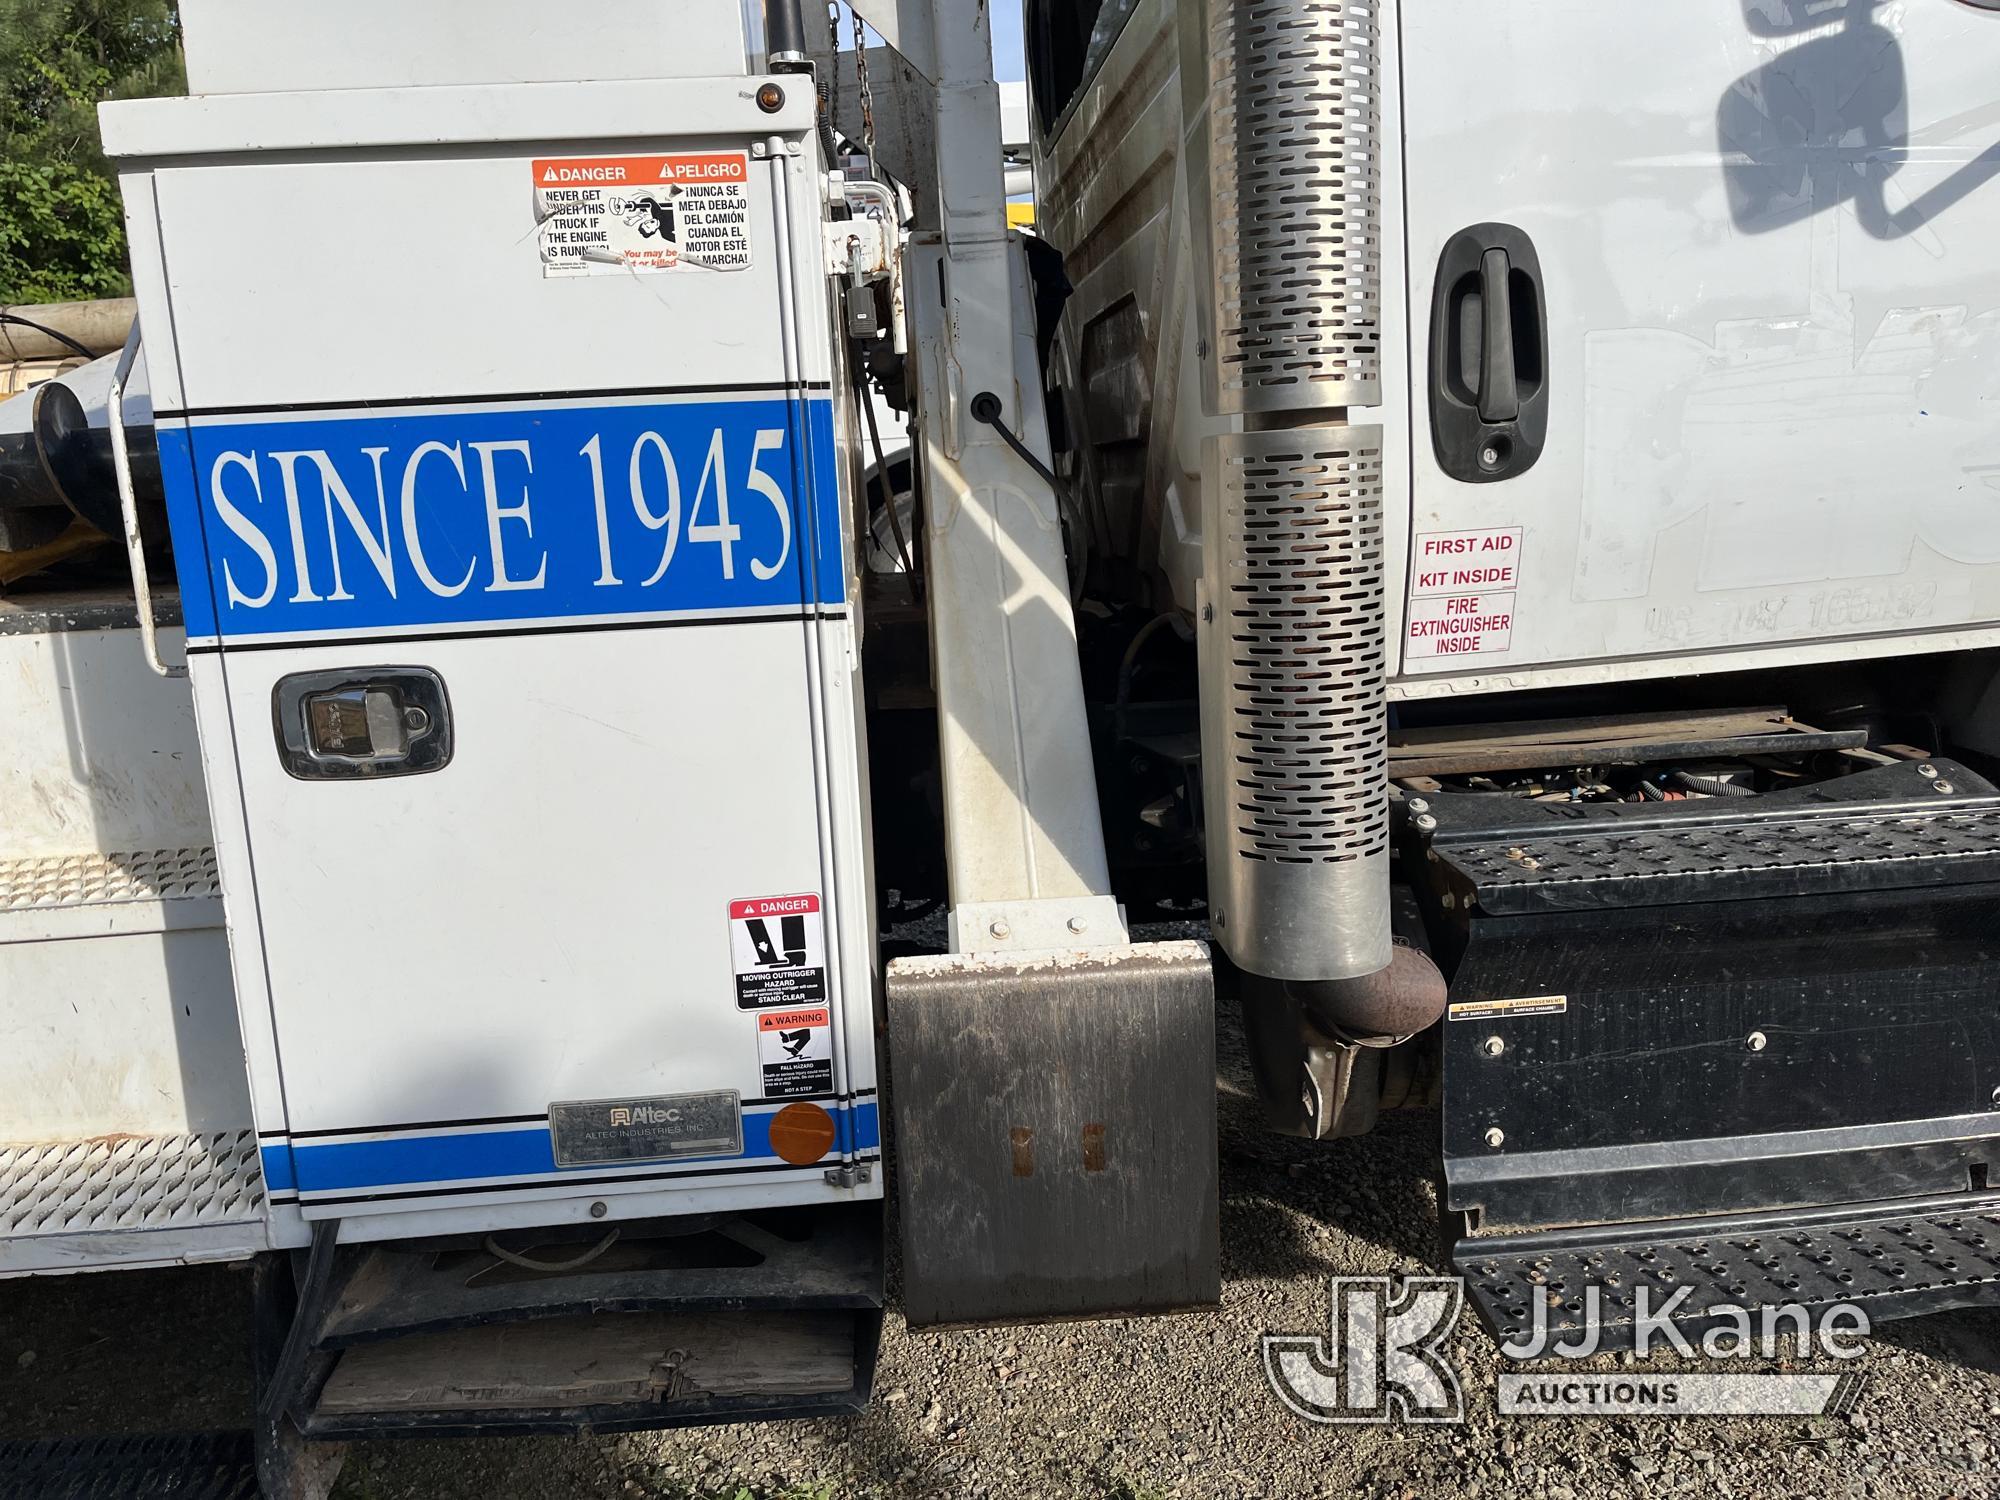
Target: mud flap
{"x":1055,"y":1133}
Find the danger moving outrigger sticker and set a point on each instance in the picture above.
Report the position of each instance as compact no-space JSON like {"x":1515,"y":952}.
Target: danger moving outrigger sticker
{"x":777,"y":947}
{"x":795,"y":1051}
{"x":608,"y":215}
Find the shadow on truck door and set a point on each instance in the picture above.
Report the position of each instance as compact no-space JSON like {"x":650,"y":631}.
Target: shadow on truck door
{"x":1826,"y":121}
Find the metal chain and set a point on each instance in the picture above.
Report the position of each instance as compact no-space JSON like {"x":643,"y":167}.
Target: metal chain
{"x":833,"y":62}
{"x":867,"y":92}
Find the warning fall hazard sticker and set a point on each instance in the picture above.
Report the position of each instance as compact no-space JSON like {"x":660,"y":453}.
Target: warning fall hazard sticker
{"x":777,"y":947}
{"x":1462,"y":593}
{"x":795,"y":1051}
{"x":610,"y":215}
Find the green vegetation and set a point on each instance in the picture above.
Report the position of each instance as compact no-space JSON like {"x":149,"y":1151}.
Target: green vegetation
{"x":62,"y":230}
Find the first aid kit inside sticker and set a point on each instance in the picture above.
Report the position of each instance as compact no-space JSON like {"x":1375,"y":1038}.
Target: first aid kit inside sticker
{"x":1462,"y":592}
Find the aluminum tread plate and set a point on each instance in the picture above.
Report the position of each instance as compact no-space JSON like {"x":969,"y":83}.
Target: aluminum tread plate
{"x":70,"y":880}
{"x":126,"y":1183}
{"x":181,"y":1466}
{"x":1894,"y":1266}
{"x":1621,"y":866}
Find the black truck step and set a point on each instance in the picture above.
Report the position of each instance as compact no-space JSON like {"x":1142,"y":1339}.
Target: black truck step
{"x":1911,"y":824}
{"x":706,"y":1318}
{"x":177,"y":1466}
{"x":1894,"y":1263}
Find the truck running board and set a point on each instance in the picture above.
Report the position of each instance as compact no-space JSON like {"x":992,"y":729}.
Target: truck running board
{"x":1896,"y":1262}
{"x":713,"y":1319}
{"x":1749,"y":1045}
{"x":175,"y":1466}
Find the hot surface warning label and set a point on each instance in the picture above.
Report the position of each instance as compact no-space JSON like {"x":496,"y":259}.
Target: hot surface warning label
{"x":1462,"y":593}
{"x":795,"y":1051}
{"x":607,"y":215}
{"x":778,"y":949}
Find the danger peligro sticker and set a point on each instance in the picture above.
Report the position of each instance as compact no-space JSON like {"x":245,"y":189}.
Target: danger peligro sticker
{"x":777,"y":947}
{"x":612,"y":215}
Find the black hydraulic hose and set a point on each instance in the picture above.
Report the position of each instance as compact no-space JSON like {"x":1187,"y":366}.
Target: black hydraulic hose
{"x":1709,"y":786}
{"x":986,"y":408}
{"x":903,"y":551}
{"x":47,"y":332}
{"x":828,"y":144}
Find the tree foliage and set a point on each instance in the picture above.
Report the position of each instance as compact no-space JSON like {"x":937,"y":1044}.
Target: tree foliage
{"x":62,"y":229}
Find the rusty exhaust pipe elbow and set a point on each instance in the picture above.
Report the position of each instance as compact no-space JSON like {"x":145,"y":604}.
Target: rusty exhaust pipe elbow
{"x":1379,"y":1009}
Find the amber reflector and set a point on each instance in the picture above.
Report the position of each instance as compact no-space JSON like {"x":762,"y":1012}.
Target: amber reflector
{"x":801,"y":1133}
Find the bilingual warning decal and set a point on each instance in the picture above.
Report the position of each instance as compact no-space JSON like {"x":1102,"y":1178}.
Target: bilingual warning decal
{"x":778,"y":950}
{"x":1462,"y":593}
{"x":1506,"y":1010}
{"x":795,"y":1051}
{"x":610,"y":215}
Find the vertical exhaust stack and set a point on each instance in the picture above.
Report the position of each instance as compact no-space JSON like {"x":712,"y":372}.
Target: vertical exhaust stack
{"x":1295,"y":649}
{"x":1294,"y":154}
{"x":1292,"y":702}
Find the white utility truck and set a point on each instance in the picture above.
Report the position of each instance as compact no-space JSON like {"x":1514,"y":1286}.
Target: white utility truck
{"x":1500,"y":517}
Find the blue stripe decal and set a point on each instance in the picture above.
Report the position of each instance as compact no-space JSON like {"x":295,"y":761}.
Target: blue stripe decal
{"x":859,"y":1128}
{"x":278,"y":1176}
{"x":428,"y":1159}
{"x":419,"y":517}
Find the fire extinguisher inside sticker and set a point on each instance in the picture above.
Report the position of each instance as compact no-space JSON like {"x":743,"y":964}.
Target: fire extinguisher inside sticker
{"x":795,"y":1050}
{"x":777,"y":947}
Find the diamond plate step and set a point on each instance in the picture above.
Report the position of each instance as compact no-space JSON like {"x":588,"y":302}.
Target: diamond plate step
{"x":1892,"y":1265}
{"x":1790,"y":855}
{"x":68,"y":880}
{"x":130,"y":1183}
{"x":193,"y":1466}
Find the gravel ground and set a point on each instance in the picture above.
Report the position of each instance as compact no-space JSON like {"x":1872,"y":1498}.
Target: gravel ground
{"x":1156,"y":1407}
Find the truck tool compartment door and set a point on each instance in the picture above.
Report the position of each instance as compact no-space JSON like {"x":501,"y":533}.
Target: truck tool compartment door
{"x":515,"y":573}
{"x":1759,"y":236}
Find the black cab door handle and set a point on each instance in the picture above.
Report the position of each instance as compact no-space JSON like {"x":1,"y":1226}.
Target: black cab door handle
{"x":1489,"y":387}
{"x":1499,"y":392}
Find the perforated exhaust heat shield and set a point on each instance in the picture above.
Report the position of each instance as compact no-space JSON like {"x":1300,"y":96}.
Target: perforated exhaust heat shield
{"x":1293,"y":713}
{"x":1295,"y":177}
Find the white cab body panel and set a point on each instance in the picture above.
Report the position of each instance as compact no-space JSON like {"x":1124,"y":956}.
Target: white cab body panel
{"x":1765,"y":232}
